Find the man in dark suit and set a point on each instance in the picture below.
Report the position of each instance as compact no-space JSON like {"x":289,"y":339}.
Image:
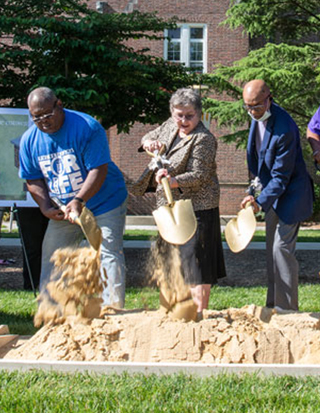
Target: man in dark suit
{"x":274,"y":155}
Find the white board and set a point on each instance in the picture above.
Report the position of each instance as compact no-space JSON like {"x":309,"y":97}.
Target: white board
{"x":13,"y":123}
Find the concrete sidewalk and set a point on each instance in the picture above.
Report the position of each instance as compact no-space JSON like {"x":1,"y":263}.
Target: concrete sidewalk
{"x":306,"y":246}
{"x":146,"y":222}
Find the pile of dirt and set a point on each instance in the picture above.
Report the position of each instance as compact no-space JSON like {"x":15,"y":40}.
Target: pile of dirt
{"x":247,"y":335}
{"x":75,"y":286}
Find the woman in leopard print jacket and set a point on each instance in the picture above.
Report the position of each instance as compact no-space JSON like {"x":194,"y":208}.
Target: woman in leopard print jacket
{"x":192,"y":172}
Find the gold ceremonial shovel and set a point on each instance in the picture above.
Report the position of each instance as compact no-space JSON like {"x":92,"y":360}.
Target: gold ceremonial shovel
{"x":87,"y":222}
{"x":239,"y":231}
{"x":176,"y":221}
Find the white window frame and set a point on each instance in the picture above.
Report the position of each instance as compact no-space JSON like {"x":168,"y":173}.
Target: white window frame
{"x":185,"y":43}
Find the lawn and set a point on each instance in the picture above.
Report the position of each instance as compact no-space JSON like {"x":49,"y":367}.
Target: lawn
{"x":39,"y":391}
{"x":305,"y":235}
{"x":17,"y":308}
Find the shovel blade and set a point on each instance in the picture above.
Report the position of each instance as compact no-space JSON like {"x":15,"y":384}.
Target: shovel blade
{"x":90,"y":228}
{"x":176,"y":223}
{"x":240,"y":230}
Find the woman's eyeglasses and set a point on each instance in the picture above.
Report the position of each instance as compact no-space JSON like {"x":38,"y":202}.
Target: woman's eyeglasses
{"x":186,"y":117}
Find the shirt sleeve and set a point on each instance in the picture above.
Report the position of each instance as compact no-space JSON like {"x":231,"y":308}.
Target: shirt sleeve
{"x":96,"y":152}
{"x":28,"y":168}
{"x":314,"y":124}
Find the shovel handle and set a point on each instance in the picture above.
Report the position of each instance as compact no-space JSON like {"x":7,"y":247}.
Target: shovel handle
{"x":157,"y":156}
{"x":167,"y":190}
{"x":63,"y":208}
{"x":164,"y":180}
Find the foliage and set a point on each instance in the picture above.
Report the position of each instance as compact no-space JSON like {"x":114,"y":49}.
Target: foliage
{"x":88,"y":58}
{"x":290,"y":68}
{"x":288,"y":62}
{"x":292,"y":72}
{"x":291,"y":19}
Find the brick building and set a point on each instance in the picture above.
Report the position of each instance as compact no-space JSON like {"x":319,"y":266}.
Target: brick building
{"x":200,"y":41}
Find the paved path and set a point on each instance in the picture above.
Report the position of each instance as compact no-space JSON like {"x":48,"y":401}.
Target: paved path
{"x":305,"y":246}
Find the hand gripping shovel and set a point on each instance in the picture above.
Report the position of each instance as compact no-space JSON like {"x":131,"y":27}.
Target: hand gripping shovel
{"x":239,"y":231}
{"x":176,"y":221}
{"x":87,"y":222}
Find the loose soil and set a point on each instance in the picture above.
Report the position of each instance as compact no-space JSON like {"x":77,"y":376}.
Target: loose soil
{"x":247,"y":335}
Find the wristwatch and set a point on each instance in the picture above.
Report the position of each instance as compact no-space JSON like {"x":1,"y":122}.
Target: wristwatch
{"x":82,"y":202}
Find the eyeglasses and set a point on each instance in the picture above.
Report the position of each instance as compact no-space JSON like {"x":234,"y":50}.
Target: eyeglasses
{"x":37,"y":119}
{"x":186,"y":117}
{"x":255,"y":107}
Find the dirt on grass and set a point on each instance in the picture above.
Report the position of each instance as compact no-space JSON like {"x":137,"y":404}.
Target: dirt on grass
{"x":247,"y":335}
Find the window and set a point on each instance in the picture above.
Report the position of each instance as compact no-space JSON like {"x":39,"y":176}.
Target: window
{"x":187,"y":44}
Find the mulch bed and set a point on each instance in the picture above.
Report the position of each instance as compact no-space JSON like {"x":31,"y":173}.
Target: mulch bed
{"x":247,"y":268}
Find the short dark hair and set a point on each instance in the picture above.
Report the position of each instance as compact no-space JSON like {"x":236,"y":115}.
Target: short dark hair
{"x":44,"y":94}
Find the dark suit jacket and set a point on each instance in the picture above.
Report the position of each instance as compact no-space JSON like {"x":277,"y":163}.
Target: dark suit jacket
{"x":287,"y":186}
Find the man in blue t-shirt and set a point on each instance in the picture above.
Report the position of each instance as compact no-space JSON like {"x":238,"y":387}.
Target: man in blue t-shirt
{"x":65,"y":154}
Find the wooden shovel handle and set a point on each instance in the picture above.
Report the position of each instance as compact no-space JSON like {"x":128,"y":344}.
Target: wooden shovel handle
{"x":160,"y":152}
{"x":167,"y":190}
{"x":164,"y":180}
{"x":75,"y":218}
{"x":63,"y":208}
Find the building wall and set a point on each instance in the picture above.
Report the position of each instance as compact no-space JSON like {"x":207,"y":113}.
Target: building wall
{"x":224,"y":46}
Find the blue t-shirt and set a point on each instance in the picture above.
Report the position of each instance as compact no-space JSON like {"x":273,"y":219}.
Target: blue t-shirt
{"x":63,"y":159}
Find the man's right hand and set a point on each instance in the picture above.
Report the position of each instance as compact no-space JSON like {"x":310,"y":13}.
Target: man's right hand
{"x":250,"y":198}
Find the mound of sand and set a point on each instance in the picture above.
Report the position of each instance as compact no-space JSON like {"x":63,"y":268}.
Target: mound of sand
{"x":76,"y":330}
{"x":247,"y":335}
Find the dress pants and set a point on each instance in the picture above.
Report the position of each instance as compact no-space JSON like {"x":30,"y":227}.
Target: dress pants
{"x":33,"y":226}
{"x":282,"y":265}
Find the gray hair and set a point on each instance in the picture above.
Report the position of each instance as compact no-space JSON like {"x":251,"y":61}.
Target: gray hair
{"x":42,"y":94}
{"x":186,"y":97}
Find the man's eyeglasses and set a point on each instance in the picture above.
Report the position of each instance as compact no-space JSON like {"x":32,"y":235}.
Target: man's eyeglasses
{"x":37,"y":119}
{"x":255,"y":107}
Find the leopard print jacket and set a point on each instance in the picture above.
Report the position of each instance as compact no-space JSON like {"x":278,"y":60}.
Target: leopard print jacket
{"x":192,"y":163}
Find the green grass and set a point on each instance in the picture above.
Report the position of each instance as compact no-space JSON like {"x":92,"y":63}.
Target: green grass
{"x":305,"y":235}
{"x":17,"y":308}
{"x":41,"y":392}
{"x":139,"y":234}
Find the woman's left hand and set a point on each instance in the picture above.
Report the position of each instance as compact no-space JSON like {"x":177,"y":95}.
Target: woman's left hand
{"x":164,"y":173}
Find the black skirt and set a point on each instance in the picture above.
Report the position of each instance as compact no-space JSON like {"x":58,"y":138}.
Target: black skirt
{"x":202,"y":260}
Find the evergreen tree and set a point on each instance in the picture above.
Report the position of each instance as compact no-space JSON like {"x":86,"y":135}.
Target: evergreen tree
{"x":288,"y":62}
